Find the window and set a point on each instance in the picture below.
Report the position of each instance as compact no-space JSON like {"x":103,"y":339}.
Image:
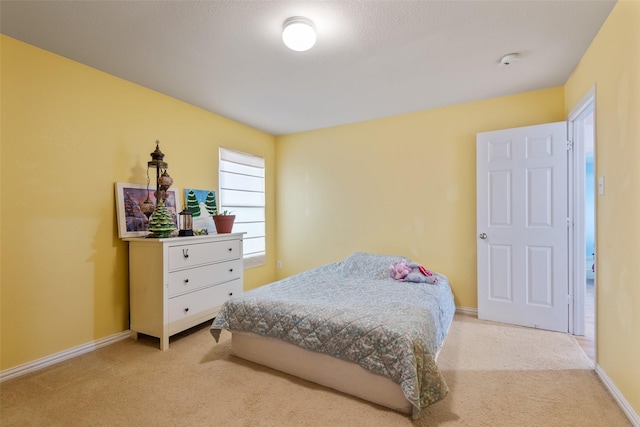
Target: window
{"x":242,"y":193}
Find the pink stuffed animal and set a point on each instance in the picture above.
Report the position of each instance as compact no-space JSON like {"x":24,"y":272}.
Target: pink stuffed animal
{"x":412,"y":272}
{"x":419,"y":274}
{"x":400,"y":270}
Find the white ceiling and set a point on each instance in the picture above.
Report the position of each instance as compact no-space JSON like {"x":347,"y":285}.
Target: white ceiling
{"x":373,"y":58}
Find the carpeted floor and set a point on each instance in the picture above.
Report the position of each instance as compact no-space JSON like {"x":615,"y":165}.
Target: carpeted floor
{"x":499,"y":375}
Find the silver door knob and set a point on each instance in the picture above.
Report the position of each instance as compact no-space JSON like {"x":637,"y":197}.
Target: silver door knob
{"x":483,"y":236}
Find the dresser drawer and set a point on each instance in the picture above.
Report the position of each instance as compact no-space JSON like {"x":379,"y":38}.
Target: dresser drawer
{"x":190,"y":255}
{"x":191,"y":279}
{"x":190,"y":304}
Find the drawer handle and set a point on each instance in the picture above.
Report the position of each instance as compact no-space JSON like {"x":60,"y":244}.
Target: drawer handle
{"x":230,"y":294}
{"x":230,"y":249}
{"x":186,"y":309}
{"x":185,"y":253}
{"x":231,"y":270}
{"x":186,"y":281}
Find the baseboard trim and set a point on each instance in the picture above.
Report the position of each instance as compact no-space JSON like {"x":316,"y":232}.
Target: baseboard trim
{"x":36,"y":365}
{"x":467,"y":310}
{"x":617,"y":395}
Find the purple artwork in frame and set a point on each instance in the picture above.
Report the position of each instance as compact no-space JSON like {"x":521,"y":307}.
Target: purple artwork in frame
{"x":131,"y":221}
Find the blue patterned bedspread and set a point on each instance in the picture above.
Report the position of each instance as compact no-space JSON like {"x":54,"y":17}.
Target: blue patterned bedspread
{"x":354,"y":311}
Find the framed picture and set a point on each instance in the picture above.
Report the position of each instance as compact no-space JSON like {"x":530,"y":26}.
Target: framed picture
{"x":201,"y":204}
{"x":131,"y":221}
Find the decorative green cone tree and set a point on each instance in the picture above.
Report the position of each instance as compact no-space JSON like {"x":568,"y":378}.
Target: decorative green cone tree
{"x":161,"y":224}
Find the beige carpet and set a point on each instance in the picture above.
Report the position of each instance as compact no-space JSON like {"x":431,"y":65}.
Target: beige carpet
{"x":499,"y":375}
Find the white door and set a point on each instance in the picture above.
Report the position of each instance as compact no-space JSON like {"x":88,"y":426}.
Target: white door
{"x":522,"y":226}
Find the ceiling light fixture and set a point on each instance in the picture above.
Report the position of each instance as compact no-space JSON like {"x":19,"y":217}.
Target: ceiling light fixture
{"x":298,"y":33}
{"x":509,"y":58}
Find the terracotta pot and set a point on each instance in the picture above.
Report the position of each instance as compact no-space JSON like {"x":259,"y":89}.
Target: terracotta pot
{"x":224,"y":223}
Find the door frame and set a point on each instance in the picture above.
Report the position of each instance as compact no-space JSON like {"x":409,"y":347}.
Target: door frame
{"x":576,"y":213}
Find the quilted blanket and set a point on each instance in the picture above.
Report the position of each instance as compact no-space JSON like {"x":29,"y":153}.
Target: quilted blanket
{"x":354,"y":311}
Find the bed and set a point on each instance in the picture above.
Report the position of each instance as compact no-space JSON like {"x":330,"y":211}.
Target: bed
{"x":348,"y":326}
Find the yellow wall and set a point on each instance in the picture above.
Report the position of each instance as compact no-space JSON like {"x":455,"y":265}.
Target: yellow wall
{"x":402,"y":184}
{"x":399,"y":185}
{"x":69,"y":132}
{"x":612,"y":64}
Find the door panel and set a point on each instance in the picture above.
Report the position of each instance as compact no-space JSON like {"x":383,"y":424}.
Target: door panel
{"x":522,"y":226}
{"x":501,"y":285}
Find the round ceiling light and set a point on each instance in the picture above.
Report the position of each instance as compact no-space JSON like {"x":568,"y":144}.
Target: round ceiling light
{"x":298,"y":33}
{"x":510,"y":58}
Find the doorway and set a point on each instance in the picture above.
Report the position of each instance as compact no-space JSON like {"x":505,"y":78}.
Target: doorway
{"x":582,"y":134}
{"x":496,"y":291}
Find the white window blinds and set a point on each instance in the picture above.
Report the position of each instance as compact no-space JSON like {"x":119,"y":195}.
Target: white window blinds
{"x":241,"y":178}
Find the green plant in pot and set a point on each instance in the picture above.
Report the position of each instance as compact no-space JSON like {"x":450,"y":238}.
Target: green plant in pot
{"x":223,"y":221}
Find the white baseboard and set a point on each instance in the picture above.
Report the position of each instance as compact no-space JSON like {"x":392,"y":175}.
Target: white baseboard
{"x":622,"y":402}
{"x":36,"y":365}
{"x":467,"y":310}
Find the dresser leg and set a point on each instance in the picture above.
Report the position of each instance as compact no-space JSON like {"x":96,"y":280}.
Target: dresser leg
{"x":164,"y":343}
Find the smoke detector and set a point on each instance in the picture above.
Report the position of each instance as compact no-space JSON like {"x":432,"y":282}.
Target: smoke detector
{"x":509,"y":58}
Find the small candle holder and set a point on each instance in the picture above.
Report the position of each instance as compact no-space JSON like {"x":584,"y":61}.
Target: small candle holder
{"x":186,"y":223}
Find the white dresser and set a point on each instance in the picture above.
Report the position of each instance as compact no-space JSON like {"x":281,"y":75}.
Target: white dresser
{"x":179,"y":282}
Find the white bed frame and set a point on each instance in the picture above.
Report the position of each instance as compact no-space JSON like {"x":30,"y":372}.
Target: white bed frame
{"x":320,"y":368}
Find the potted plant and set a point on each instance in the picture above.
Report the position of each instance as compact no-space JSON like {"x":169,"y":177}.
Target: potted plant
{"x":223,"y":221}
